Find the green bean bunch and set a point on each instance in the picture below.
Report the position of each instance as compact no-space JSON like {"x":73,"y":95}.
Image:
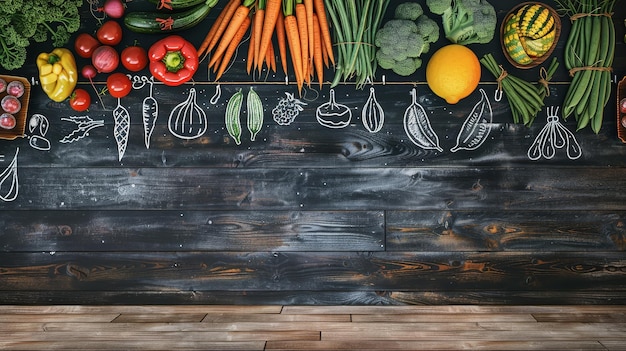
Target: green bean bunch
{"x":589,"y":53}
{"x":355,"y":23}
{"x":524,"y":98}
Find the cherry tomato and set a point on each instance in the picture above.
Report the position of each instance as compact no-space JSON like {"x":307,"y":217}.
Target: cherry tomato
{"x":110,"y":33}
{"x":119,"y":85}
{"x":134,"y":58}
{"x":80,"y":100}
{"x":85,"y":44}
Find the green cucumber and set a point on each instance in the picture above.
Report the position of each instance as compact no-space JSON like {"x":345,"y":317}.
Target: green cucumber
{"x":150,"y":22}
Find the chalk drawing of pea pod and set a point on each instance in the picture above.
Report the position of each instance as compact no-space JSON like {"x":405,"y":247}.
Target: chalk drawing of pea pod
{"x":9,"y":175}
{"x":417,"y":126}
{"x":476,"y":127}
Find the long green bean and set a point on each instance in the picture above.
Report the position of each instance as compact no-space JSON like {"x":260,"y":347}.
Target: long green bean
{"x":355,"y":23}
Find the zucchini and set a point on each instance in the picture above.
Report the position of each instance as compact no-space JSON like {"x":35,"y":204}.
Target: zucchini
{"x":151,"y":22}
{"x":233,"y":109}
{"x":255,"y":113}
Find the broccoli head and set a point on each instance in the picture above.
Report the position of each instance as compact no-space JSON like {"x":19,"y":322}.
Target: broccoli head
{"x":402,"y":40}
{"x":466,"y":21}
{"x":409,"y":11}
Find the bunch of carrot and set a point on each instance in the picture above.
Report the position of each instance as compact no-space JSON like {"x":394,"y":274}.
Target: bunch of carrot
{"x":300,"y":26}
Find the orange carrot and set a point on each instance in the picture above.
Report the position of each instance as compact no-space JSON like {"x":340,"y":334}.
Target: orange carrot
{"x":293,"y":39}
{"x":317,"y":51}
{"x":273,"y":11}
{"x":250,"y":57}
{"x":235,"y":23}
{"x":232,"y":46}
{"x":259,"y":16}
{"x":271,"y":58}
{"x":308,"y":5}
{"x":300,"y":11}
{"x":324,"y":52}
{"x":218,"y":27}
{"x":281,"y":40}
{"x":324,"y":28}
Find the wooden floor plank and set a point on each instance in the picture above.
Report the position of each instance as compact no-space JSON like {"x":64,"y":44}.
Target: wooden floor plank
{"x":132,"y":345}
{"x":443,"y":317}
{"x":152,"y":336}
{"x":159,"y":317}
{"x":390,"y":345}
{"x":58,"y":317}
{"x":274,"y":318}
{"x":454,"y":309}
{"x":463,"y":327}
{"x":581,"y":317}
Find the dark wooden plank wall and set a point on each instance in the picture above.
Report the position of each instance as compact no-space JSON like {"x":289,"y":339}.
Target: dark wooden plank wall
{"x":311,"y":215}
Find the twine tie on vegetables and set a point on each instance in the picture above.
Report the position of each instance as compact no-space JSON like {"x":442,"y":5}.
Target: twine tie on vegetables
{"x":581,"y":15}
{"x":499,"y":90}
{"x":543,"y":73}
{"x":589,"y":68}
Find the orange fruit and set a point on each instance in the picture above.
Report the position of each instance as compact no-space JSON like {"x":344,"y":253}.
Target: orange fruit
{"x":453,"y":72}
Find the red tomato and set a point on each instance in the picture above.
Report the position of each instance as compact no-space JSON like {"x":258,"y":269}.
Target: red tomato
{"x":85,"y":44}
{"x":119,"y":85}
{"x":110,"y":33}
{"x":80,"y":100}
{"x":134,"y":58}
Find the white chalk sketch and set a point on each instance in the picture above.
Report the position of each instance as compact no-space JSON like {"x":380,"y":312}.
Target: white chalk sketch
{"x":10,"y":175}
{"x":476,"y":127}
{"x":38,"y":128}
{"x":217,"y":95}
{"x":121,"y":128}
{"x":187,"y":119}
{"x":554,"y":136}
{"x":287,"y":109}
{"x":373,"y":115}
{"x":417,"y":126}
{"x":333,"y":115}
{"x":149,"y":108}
{"x":84,"y":124}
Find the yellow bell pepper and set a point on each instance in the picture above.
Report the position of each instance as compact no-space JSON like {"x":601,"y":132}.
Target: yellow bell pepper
{"x":57,"y":73}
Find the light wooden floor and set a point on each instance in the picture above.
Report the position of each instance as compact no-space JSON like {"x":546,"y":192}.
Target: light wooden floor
{"x":312,"y":328}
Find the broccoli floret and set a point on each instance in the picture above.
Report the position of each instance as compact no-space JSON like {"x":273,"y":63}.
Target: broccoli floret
{"x":409,"y":11}
{"x":407,"y":66}
{"x":466,"y":21}
{"x":438,"y":7}
{"x":402,"y":40}
{"x":428,"y":28}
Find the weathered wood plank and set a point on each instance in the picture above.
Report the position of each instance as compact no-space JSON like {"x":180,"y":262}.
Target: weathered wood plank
{"x":378,"y":271}
{"x":139,"y":309}
{"x":371,"y":345}
{"x":433,"y":188}
{"x":538,"y":231}
{"x":116,"y":345}
{"x":192,"y":231}
{"x":154,"y":337}
{"x":310,"y":297}
{"x":57,"y":317}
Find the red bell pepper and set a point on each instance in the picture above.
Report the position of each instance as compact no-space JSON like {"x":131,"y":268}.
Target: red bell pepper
{"x":173,"y":60}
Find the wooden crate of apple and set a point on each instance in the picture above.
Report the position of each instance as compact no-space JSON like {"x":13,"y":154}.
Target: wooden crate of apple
{"x":14,"y":95}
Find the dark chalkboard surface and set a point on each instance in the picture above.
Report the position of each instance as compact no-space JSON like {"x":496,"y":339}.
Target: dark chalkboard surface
{"x":306,"y":214}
